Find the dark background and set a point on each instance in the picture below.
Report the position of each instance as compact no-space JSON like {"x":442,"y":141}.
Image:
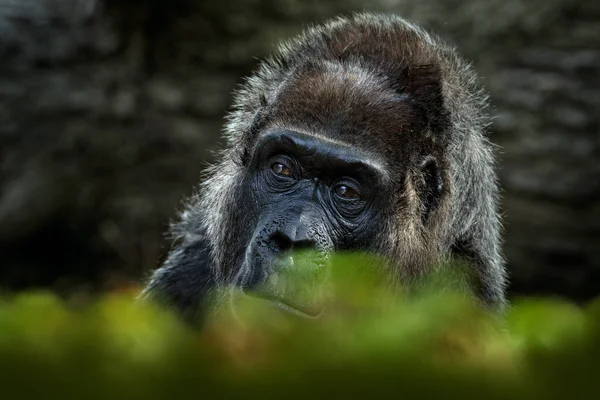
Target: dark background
{"x":109,"y":110}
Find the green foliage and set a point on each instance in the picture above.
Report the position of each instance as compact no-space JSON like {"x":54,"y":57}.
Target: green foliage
{"x":375,"y":341}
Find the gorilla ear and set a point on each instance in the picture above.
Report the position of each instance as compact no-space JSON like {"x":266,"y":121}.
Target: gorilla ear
{"x":432,"y":185}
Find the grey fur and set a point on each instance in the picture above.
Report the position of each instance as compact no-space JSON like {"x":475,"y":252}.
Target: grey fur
{"x":466,"y":223}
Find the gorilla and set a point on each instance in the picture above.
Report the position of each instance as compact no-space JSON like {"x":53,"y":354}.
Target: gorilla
{"x":365,"y":133}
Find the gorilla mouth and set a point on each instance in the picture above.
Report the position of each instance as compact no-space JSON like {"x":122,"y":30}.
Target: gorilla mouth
{"x":287,"y":306}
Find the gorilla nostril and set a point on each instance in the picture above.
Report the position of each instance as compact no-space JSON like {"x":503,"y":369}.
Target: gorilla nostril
{"x":303,"y":245}
{"x":281,"y":242}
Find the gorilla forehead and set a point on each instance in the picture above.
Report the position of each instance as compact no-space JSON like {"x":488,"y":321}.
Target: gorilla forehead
{"x":322,"y":154}
{"x":349,"y":104}
{"x":389,"y":94}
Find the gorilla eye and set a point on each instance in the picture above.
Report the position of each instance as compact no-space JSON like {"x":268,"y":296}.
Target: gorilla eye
{"x":346,"y":192}
{"x":281,"y":169}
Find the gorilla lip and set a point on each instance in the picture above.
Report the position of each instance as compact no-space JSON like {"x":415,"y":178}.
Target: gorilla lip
{"x":286,"y":305}
{"x":366,"y":98}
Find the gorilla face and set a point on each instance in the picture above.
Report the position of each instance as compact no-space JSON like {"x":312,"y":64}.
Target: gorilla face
{"x":308,"y":193}
{"x":365,"y":134}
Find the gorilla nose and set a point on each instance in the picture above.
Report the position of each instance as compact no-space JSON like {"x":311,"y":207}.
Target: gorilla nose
{"x":291,"y":241}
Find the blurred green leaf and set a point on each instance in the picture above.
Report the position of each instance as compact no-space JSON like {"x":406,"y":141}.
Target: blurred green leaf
{"x":373,"y":341}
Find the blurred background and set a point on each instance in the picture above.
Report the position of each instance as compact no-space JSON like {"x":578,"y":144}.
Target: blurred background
{"x":110,"y":109}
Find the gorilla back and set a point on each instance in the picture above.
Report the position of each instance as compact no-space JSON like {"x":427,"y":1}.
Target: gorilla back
{"x":365,"y":133}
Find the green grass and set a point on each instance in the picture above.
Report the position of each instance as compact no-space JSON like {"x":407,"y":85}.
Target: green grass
{"x":427,"y":344}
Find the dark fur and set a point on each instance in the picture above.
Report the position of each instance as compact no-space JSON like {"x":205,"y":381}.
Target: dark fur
{"x":387,"y":87}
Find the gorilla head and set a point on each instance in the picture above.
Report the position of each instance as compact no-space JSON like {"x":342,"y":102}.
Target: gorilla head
{"x":365,"y":133}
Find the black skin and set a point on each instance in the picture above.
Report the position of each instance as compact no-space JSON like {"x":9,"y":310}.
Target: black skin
{"x":367,"y":135}
{"x":307,"y":193}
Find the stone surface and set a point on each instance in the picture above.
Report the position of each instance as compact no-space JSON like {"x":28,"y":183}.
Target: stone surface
{"x":109,"y":111}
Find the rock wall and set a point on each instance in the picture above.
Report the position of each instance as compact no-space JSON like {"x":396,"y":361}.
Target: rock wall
{"x":109,"y":111}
